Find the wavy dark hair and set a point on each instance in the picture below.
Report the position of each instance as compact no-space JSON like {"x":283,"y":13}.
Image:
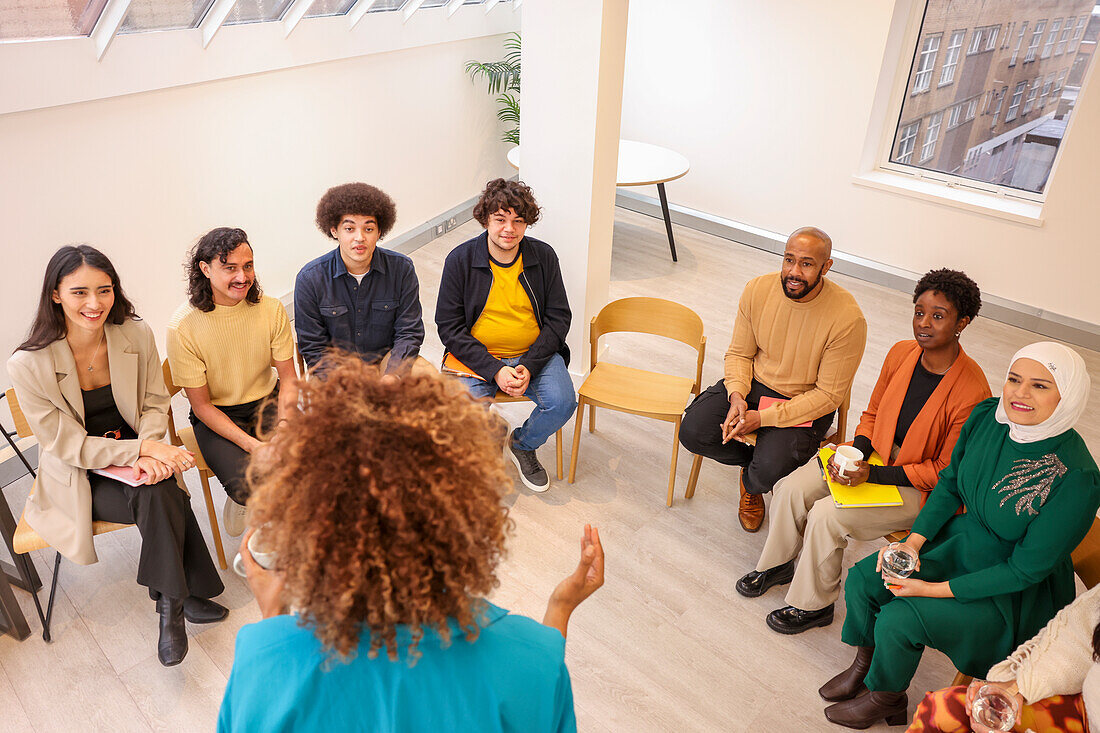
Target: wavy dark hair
{"x":960,"y":290}
{"x":500,"y":194}
{"x":49,"y":321}
{"x":215,"y":243}
{"x":356,"y":199}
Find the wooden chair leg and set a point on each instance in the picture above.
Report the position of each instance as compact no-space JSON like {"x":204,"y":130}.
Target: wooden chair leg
{"x":696,"y":464}
{"x":557,"y":450}
{"x":576,"y":440}
{"x":591,"y":418}
{"x":675,"y":454}
{"x":214,"y":528}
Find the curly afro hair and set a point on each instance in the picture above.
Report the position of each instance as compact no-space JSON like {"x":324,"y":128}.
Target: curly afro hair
{"x":500,"y":194}
{"x":383,"y":504}
{"x":357,"y":199}
{"x":960,"y":290}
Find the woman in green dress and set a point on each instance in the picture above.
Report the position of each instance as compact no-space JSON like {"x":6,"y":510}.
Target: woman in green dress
{"x":993,"y":575}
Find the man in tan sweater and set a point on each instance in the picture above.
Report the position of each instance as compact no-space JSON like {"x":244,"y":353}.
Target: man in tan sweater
{"x":798,"y":338}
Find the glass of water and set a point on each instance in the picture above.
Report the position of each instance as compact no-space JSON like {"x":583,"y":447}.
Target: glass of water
{"x":898,"y":561}
{"x":994,"y":708}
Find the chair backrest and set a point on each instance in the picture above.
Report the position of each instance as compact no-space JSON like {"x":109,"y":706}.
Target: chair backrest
{"x":22,"y":427}
{"x":1086,"y":558}
{"x":173,"y":436}
{"x":172,"y":387}
{"x":650,"y":315}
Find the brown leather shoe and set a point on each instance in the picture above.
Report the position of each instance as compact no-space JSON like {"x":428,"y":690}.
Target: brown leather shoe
{"x":849,"y":683}
{"x":869,"y":708}
{"x":751,"y":511}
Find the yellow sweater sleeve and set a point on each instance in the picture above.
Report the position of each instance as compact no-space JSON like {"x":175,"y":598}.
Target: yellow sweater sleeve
{"x":742,"y":349}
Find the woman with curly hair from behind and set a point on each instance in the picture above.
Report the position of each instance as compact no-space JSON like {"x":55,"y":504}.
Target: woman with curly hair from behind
{"x":382,"y":506}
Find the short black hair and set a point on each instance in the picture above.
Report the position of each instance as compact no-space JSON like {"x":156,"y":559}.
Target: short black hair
{"x":216,"y":243}
{"x":357,"y":199}
{"x":960,"y":290}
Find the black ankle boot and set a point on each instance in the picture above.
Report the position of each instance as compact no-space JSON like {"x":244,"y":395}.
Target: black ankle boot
{"x":869,"y":708}
{"x":172,"y":646}
{"x":849,"y":683}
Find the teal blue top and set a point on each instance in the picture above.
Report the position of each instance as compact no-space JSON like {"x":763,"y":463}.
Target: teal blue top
{"x":511,"y":678}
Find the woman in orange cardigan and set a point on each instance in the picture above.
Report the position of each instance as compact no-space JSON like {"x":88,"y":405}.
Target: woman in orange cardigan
{"x":925,"y":392}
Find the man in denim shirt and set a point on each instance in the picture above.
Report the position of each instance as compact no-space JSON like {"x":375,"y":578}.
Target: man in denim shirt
{"x":359,"y":296}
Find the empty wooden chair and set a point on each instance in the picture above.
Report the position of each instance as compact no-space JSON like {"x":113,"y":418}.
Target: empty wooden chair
{"x":637,"y":391}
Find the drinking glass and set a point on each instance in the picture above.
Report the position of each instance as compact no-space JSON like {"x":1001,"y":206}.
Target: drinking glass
{"x":994,"y":708}
{"x":898,"y":561}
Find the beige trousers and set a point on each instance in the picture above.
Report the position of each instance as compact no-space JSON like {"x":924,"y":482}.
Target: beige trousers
{"x":805,"y":523}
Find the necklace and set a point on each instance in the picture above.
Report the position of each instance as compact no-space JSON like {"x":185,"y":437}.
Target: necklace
{"x":92,"y":360}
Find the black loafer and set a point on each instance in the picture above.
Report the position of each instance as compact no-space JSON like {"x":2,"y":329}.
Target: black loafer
{"x":757,"y":583}
{"x":172,"y":645}
{"x":203,"y":610}
{"x":791,"y":620}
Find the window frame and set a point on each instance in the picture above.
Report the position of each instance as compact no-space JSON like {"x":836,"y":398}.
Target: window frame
{"x":931,"y":136}
{"x":905,"y":137}
{"x":952,"y":61}
{"x":918,"y":65}
{"x":1032,"y":96}
{"x":1016,"y":100}
{"x":1036,"y":40}
{"x":1019,"y":44}
{"x":1052,"y":38}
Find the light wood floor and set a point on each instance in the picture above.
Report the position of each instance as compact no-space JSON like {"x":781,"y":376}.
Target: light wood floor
{"x":666,"y":645}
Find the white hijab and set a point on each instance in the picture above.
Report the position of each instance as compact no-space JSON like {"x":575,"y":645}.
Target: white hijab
{"x":1068,"y":369}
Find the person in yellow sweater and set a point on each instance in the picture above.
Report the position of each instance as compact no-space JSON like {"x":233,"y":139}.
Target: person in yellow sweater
{"x":230,"y":347}
{"x":797,"y":342}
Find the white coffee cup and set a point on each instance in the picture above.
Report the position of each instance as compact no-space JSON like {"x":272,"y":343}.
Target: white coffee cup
{"x":265,"y":560}
{"x":846,"y":458}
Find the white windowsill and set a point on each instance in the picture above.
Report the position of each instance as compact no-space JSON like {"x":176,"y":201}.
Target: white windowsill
{"x":1024,"y":212}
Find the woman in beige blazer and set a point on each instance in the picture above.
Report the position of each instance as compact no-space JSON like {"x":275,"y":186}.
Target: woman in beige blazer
{"x":89,"y":381}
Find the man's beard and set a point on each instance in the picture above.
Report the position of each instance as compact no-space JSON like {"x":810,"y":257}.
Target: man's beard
{"x":809,"y":287}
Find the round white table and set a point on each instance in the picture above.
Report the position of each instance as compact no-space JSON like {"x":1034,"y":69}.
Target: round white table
{"x":641,"y":164}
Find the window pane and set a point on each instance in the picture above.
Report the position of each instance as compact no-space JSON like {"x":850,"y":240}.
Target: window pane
{"x":383,"y":5}
{"x":1007,"y":79}
{"x":433,"y":4}
{"x":160,"y":15}
{"x":24,"y":19}
{"x":256,"y":11}
{"x":329,"y":7}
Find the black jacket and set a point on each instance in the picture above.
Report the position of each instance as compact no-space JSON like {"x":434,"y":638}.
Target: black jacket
{"x":464,"y":288}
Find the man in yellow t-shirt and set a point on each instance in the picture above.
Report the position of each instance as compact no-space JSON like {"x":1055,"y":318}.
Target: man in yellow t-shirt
{"x":797,"y":343}
{"x":222,"y":345}
{"x":502,"y":316}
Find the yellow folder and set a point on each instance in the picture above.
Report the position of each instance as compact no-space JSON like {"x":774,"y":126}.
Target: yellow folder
{"x":866,"y":494}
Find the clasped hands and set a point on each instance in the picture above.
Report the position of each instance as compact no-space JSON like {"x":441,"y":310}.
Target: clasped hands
{"x":740,"y":420}
{"x":513,"y":381}
{"x":160,"y":460}
{"x":848,"y":478}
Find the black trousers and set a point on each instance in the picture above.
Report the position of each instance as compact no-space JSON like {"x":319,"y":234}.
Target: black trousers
{"x":226,"y":459}
{"x":174,"y":560}
{"x":778,"y":451}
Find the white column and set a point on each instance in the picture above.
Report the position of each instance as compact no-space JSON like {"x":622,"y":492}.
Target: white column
{"x":573,"y":57}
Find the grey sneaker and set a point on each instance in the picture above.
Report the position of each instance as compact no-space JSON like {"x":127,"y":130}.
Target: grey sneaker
{"x":531,"y":472}
{"x":233,"y":517}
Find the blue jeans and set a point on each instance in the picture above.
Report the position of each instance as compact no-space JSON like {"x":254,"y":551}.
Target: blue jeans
{"x":552,"y":392}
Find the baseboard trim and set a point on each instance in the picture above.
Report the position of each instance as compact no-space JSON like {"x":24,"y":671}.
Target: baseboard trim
{"x":1029,"y":318}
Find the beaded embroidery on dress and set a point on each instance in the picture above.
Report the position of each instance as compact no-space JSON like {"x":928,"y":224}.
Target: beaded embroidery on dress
{"x":1029,"y":479}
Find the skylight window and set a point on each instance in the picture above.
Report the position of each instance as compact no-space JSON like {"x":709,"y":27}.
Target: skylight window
{"x":27,"y":19}
{"x":256,"y":11}
{"x":321,"y":8}
{"x":163,"y":15}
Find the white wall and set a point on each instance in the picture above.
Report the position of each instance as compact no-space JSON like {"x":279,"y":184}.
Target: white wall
{"x":770,"y":102}
{"x":143,"y":176}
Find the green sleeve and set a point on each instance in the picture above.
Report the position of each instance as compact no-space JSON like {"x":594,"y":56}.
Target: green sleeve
{"x":1050,"y":538}
{"x":944,"y":500}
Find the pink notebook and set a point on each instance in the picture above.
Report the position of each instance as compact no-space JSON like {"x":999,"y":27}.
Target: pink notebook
{"x":766,"y":401}
{"x":126,"y":474}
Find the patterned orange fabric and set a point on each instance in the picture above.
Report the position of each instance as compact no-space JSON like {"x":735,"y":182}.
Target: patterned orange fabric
{"x":944,"y":711}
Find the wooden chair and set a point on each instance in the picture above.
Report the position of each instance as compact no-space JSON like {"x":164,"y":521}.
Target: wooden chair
{"x":636,"y":391}
{"x":26,"y":539}
{"x":502,"y":398}
{"x":1086,"y":565}
{"x":186,"y":437}
{"x":838,"y":436}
